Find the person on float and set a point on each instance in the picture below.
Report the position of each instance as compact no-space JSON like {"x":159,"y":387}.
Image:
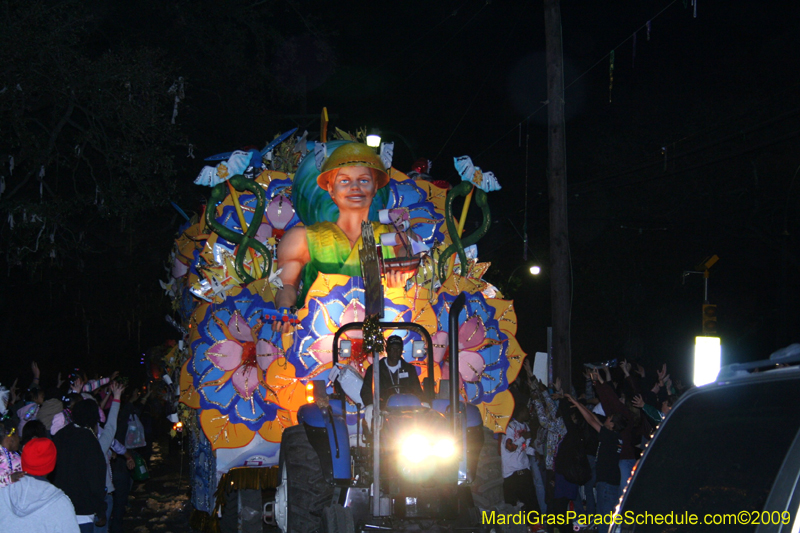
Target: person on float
{"x":352,"y":175}
{"x":397,"y":375}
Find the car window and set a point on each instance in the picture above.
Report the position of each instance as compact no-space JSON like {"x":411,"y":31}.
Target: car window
{"x":719,"y":452}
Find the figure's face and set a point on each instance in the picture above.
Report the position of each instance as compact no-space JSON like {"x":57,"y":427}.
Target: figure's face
{"x":353,"y":188}
{"x":393,"y":353}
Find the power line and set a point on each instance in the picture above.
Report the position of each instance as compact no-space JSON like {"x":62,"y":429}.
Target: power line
{"x":694,"y":151}
{"x":544,"y":104}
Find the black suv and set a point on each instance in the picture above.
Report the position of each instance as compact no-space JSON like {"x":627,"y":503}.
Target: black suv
{"x":727,"y":457}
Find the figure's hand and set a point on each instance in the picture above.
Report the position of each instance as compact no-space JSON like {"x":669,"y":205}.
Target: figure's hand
{"x":59,"y":381}
{"x":662,"y":373}
{"x":396,"y":279}
{"x":35,"y":370}
{"x":114,"y":375}
{"x":283,"y":327}
{"x":638,"y":401}
{"x":510,"y":446}
{"x":558,"y":385}
{"x":100,"y":521}
{"x":527,"y":366}
{"x":16,"y":476}
{"x":626,"y":367}
{"x":116,"y":389}
{"x":640,"y":370}
{"x":129,"y":462}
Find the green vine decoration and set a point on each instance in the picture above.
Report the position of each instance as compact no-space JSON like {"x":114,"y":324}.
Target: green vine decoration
{"x":246,"y":240}
{"x":482,"y":201}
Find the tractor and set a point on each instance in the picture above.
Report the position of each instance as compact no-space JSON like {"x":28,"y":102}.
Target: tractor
{"x":409,"y":470}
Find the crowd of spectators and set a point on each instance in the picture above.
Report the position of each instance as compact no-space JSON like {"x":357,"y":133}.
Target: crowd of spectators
{"x":67,"y":453}
{"x":576,"y":451}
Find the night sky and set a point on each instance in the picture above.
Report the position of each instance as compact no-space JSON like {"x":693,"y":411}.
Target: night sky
{"x":694,"y":151}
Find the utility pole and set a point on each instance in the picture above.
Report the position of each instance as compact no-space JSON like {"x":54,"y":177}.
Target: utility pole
{"x":560,"y":286}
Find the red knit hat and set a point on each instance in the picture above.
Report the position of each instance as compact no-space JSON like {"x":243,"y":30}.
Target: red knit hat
{"x":39,"y":457}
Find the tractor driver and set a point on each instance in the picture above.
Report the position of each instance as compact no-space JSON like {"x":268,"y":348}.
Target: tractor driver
{"x":396,"y":375}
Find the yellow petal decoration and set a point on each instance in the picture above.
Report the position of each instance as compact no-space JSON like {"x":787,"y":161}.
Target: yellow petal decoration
{"x":285,"y":388}
{"x":505,"y":314}
{"x":456,"y":284}
{"x":221,"y":433}
{"x":497,"y":413}
{"x":197,"y":317}
{"x":189,"y":396}
{"x":516,"y":357}
{"x":189,"y":241}
{"x":272,"y":431}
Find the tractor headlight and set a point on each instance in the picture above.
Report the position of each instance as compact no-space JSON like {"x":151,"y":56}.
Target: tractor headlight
{"x":444,"y":448}
{"x":416,"y":448}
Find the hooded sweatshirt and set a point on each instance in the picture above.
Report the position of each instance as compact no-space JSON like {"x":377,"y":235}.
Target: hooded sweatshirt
{"x":36,"y":506}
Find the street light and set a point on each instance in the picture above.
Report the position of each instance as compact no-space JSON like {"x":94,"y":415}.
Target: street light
{"x":535,"y":270}
{"x":707,"y":358}
{"x":374,"y":138}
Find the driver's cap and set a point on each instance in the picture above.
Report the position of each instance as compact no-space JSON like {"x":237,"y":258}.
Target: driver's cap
{"x":394,"y":340}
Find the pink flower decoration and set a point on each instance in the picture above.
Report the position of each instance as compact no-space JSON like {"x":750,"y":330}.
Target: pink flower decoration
{"x":244,"y":354}
{"x":439,"y":340}
{"x":264,"y":232}
{"x":322,"y":348}
{"x":179,"y":269}
{"x":280,"y":211}
{"x":354,"y":312}
{"x":471,"y":334}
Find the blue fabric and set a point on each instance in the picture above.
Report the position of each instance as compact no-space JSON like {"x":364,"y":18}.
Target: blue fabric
{"x":403,"y":400}
{"x":538,"y":483}
{"x":119,"y":500}
{"x":109,"y":506}
{"x":588,"y":488}
{"x":203,"y":473}
{"x":607,"y":497}
{"x":565,"y":489}
{"x":625,"y":467}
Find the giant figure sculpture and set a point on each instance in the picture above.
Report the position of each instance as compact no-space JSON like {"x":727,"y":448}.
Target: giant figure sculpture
{"x":352,"y":175}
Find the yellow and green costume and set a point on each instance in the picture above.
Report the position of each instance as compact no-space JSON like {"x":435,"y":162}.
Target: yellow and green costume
{"x":330,"y":253}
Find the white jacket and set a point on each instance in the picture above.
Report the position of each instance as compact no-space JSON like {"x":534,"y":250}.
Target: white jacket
{"x":36,"y":506}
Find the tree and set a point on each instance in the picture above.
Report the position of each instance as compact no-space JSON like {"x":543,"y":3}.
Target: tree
{"x":87,"y":140}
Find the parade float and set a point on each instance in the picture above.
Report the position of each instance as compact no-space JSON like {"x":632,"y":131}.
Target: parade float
{"x":242,"y":379}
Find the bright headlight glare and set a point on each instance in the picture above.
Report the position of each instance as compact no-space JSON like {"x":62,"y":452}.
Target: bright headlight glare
{"x":444,"y":448}
{"x":416,"y":448}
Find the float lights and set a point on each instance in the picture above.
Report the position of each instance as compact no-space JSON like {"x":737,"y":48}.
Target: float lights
{"x":418,"y":350}
{"x":374,"y":138}
{"x":536,"y":270}
{"x":707,"y":359}
{"x":309,"y":392}
{"x":344,"y":349}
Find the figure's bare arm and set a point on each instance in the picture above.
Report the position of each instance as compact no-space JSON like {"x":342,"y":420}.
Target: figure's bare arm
{"x":292,"y":257}
{"x":398,"y":279}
